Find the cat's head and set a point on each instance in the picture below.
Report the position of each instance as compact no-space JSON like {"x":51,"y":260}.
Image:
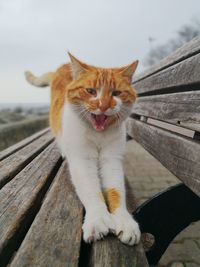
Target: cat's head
{"x":102,"y":97}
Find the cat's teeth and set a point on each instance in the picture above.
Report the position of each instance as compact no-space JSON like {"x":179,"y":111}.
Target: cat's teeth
{"x":99,"y":121}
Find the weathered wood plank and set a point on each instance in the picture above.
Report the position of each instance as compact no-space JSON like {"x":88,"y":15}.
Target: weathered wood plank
{"x":178,"y":154}
{"x":12,"y":149}
{"x":182,"y":109}
{"x":188,"y":50}
{"x":13,"y":164}
{"x":21,"y":198}
{"x":111,"y":253}
{"x":169,"y":127}
{"x":55,"y":236}
{"x":185,"y":73}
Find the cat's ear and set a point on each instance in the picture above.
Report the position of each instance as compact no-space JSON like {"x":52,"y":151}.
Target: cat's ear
{"x":77,"y":66}
{"x":129,"y":70}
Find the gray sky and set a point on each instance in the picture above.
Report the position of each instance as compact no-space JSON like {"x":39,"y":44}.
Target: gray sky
{"x":36,"y":35}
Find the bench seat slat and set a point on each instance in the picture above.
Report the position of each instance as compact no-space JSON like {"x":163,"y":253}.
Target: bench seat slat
{"x":55,"y":235}
{"x":182,"y":109}
{"x":185,"y":73}
{"x":20,"y":199}
{"x":178,"y":154}
{"x":12,"y":149}
{"x":111,"y":253}
{"x":186,"y":51}
{"x":13,"y":164}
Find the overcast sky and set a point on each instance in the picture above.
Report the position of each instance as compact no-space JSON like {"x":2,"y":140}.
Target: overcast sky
{"x":36,"y":35}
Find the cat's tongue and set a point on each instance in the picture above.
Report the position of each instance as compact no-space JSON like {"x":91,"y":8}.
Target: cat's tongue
{"x":99,"y":122}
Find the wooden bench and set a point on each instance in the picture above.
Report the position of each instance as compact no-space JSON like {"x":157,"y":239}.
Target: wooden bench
{"x":166,"y":122}
{"x":40,"y":214}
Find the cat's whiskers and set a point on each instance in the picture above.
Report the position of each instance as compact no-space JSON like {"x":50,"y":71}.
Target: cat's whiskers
{"x":83,"y":114}
{"x":123,"y":112}
{"x":81,"y":111}
{"x":117,"y":116}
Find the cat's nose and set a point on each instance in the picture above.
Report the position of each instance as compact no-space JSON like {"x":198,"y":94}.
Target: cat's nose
{"x":103,"y":106}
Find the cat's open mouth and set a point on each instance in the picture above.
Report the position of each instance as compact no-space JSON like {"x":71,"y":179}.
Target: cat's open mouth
{"x":99,"y":121}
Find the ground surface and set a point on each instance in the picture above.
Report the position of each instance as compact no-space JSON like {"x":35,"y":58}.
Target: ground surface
{"x":151,"y":177}
{"x":13,"y":114}
{"x":18,"y":122}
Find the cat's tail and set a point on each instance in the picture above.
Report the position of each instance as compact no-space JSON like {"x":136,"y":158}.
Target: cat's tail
{"x":41,"y":81}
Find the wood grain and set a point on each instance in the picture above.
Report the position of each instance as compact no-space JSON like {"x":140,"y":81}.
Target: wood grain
{"x":21,"y":198}
{"x":12,"y":149}
{"x":182,"y":109}
{"x":185,"y":73}
{"x":13,"y":164}
{"x":178,"y":154}
{"x":111,"y":253}
{"x":186,"y":51}
{"x":55,"y":236}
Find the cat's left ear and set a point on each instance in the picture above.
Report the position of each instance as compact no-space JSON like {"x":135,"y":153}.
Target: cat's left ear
{"x":77,"y":66}
{"x":129,"y":70}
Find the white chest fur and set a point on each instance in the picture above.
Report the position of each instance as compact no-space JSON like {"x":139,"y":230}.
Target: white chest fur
{"x":79,"y":138}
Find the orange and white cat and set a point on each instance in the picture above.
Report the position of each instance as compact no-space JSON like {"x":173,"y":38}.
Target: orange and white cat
{"x":89,"y":106}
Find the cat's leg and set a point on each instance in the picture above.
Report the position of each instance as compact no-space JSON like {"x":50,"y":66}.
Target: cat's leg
{"x":84,"y":174}
{"x":126,"y":228}
{"x":62,"y":151}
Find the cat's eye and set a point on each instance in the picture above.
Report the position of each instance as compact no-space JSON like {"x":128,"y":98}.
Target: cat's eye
{"x":116,"y":93}
{"x":91,"y":91}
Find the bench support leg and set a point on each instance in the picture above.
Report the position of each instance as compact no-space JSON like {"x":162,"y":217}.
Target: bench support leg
{"x":165,"y":215}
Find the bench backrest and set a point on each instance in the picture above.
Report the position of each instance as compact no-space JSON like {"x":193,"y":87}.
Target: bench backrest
{"x":166,"y":117}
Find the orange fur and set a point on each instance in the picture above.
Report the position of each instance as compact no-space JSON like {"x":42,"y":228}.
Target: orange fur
{"x":58,"y":92}
{"x":112,"y":198}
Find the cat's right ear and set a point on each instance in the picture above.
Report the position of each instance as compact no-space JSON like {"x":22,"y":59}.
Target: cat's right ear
{"x":77,"y":67}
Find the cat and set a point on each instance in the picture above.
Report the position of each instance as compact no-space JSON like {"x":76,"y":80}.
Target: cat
{"x":89,"y":106}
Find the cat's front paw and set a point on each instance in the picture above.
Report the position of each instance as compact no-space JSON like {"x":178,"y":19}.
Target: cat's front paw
{"x":126,"y":228}
{"x":97,"y":225}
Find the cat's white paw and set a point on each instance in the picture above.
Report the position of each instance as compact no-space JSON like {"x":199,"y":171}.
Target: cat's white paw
{"x":126,"y":228}
{"x":97,"y":225}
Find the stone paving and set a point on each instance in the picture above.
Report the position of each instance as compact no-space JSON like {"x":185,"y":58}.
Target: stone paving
{"x":148,"y":177}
